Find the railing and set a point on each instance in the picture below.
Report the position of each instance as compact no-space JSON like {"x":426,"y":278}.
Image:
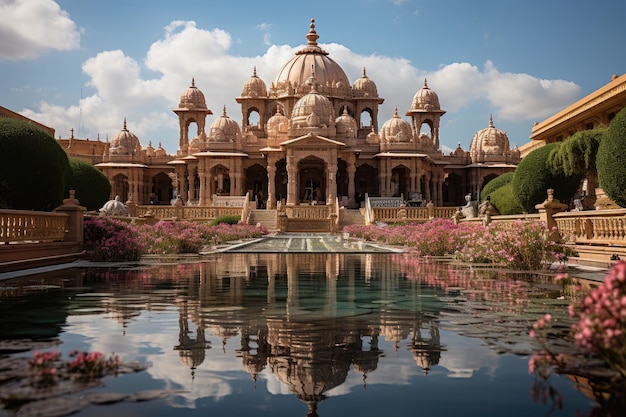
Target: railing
{"x":600,"y":227}
{"x":230,"y":201}
{"x":32,"y":226}
{"x":191,"y":213}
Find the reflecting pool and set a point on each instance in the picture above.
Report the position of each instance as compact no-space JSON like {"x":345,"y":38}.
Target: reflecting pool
{"x":283,"y":334}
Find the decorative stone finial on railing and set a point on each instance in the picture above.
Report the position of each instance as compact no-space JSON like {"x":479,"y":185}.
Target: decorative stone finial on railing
{"x":547,"y":209}
{"x":551,"y":203}
{"x":72,"y":201}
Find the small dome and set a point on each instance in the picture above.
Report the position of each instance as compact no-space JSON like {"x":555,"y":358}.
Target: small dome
{"x":313,"y":109}
{"x":365,"y":87}
{"x":192,"y":98}
{"x":160,"y":151}
{"x":150,"y":150}
{"x":224,"y":129}
{"x":293,"y":76}
{"x":346,"y":125}
{"x":489,"y":141}
{"x":395,"y":129}
{"x":124,"y":143}
{"x":276,"y":124}
{"x":425,"y":100}
{"x":254,"y":87}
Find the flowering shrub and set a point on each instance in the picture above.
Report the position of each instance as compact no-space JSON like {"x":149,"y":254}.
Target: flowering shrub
{"x":107,"y":239}
{"x":599,"y":332}
{"x":110,"y":240}
{"x":46,"y":367}
{"x":522,"y":245}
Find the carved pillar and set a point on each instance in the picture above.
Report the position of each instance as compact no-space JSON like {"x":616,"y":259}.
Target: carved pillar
{"x":202,"y":200}
{"x":271,"y":186}
{"x":292,"y":182}
{"x":427,"y":195}
{"x":191,"y":180}
{"x":331,"y":185}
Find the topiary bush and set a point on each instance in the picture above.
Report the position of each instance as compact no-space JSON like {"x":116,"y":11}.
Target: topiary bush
{"x":92,"y":186}
{"x":495,"y":183}
{"x":577,"y":154}
{"x":533,"y":177}
{"x":34,"y":169}
{"x":505,"y":200}
{"x":611,"y":167}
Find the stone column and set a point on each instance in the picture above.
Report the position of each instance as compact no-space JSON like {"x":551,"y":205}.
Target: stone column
{"x":271,"y":186}
{"x":351,"y":185}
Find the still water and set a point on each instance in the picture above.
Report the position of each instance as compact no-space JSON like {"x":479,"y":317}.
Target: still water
{"x":283,"y":334}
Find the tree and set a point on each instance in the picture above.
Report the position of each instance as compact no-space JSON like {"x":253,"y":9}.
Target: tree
{"x":577,"y":154}
{"x":93,"y":189}
{"x":34,"y":169}
{"x":610,"y":162}
{"x":533,"y":177}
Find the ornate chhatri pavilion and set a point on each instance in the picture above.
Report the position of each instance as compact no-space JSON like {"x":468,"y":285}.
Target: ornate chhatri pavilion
{"x":310,"y":137}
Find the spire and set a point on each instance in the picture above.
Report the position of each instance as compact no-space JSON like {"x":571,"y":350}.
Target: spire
{"x":312,"y":36}
{"x":124,"y":127}
{"x":193,"y":82}
{"x":224,"y":111}
{"x":395,"y":112}
{"x":490,"y":120}
{"x":364,"y":73}
{"x":254,"y":72}
{"x":425,"y":83}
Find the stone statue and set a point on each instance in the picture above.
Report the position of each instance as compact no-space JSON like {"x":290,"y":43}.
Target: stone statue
{"x":469,"y":209}
{"x":114,"y":208}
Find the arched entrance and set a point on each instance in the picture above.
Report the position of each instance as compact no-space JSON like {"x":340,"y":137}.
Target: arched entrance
{"x":365,"y":182}
{"x":220,"y":183}
{"x":256,"y":181}
{"x":399,"y":181}
{"x":120,"y":187}
{"x":162,"y":187}
{"x":312,"y":181}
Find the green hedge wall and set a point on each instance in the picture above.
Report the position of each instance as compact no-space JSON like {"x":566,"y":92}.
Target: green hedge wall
{"x":610,"y":160}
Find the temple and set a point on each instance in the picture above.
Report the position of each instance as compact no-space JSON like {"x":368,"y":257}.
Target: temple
{"x":311,"y":137}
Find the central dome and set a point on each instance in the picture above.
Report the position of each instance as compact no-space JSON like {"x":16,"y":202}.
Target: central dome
{"x":312,"y":61}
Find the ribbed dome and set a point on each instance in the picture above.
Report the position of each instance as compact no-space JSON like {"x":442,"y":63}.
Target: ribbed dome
{"x":192,"y":98}
{"x":254,"y":87}
{"x":365,"y":87}
{"x":312,"y":59}
{"x":278,"y":123}
{"x":224,"y":129}
{"x":312,"y":109}
{"x":346,"y":125}
{"x":425,"y":100}
{"x":124,"y":143}
{"x":160,"y":151}
{"x":396,"y":129}
{"x":489,"y":141}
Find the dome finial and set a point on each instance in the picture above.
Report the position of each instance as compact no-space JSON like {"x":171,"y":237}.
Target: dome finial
{"x":490,"y":120}
{"x":124,"y":126}
{"x":193,"y":82}
{"x":312,"y":36}
{"x":254,"y":72}
{"x":395,"y":112}
{"x":364,"y":73}
{"x":425,"y":83}
{"x":224,"y":111}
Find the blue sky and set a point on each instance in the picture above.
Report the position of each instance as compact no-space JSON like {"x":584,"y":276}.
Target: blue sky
{"x":87,"y":65}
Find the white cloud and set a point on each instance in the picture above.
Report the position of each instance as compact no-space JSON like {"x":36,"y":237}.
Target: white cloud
{"x":29,"y":28}
{"x":186,"y":51}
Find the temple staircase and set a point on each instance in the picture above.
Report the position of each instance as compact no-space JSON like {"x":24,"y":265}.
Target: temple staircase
{"x":350,"y":217}
{"x":266,"y":218}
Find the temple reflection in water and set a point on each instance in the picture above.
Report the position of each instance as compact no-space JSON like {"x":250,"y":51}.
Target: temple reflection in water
{"x":307,"y":318}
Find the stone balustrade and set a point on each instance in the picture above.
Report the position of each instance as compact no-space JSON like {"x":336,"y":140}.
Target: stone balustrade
{"x":191,"y":213}
{"x":601,"y":227}
{"x":32,"y":226}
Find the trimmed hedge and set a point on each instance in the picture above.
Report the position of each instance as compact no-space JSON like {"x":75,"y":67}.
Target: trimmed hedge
{"x":610,"y":162}
{"x":227,"y":218}
{"x":92,"y":186}
{"x":533,"y":177}
{"x":495,"y":183}
{"x":34,"y":169}
{"x":505,"y":200}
